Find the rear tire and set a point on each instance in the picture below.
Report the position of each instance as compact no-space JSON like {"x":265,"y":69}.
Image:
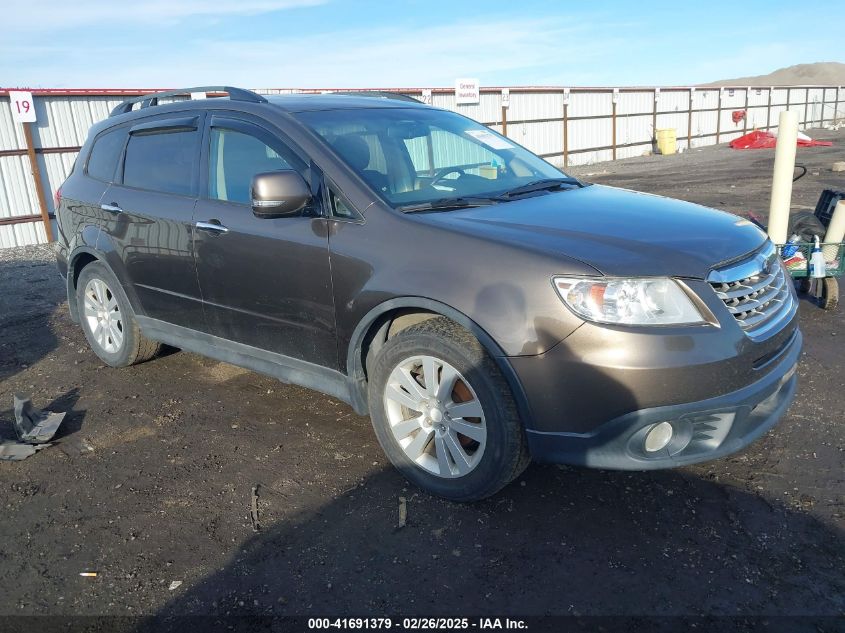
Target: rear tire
{"x":457,"y":435}
{"x":107,"y":319}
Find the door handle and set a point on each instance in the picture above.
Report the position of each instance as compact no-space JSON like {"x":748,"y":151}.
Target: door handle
{"x":212,"y":225}
{"x":111,"y":208}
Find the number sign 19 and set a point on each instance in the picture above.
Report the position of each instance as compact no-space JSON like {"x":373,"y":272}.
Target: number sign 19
{"x":23,"y":108}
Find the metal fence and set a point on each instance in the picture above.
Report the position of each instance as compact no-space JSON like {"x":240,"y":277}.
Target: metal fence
{"x":566,"y":126}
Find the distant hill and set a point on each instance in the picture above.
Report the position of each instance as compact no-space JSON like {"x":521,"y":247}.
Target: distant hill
{"x":818,"y":74}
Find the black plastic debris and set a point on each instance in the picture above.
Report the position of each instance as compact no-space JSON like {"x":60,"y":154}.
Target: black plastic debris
{"x":806,"y":225}
{"x":34,"y":428}
{"x":33,"y":425}
{"x":16,"y":451}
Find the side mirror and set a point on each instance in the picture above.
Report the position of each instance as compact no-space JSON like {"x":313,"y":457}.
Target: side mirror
{"x":279,"y":194}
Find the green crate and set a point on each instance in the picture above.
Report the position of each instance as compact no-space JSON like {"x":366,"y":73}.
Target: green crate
{"x":832,"y":269}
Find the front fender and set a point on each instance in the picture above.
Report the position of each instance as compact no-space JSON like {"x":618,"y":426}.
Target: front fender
{"x":355,"y":360}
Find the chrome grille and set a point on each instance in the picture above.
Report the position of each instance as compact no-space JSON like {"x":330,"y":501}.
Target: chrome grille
{"x":757,"y":292}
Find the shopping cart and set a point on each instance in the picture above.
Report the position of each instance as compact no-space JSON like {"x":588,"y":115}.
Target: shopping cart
{"x":824,"y":289}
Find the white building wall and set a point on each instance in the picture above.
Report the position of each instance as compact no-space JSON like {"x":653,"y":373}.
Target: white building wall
{"x":534,"y":119}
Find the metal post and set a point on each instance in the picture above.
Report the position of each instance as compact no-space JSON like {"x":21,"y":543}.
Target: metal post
{"x":718,"y":115}
{"x":689,"y":120}
{"x":430,"y":151}
{"x":565,"y":134}
{"x":613,"y":120}
{"x":821,"y":116}
{"x":788,"y":99}
{"x":806,"y":105}
{"x":654,"y":123}
{"x":769,"y":110}
{"x":36,"y":176}
{"x":836,"y":105}
{"x":745,"y":118}
{"x":504,"y":121}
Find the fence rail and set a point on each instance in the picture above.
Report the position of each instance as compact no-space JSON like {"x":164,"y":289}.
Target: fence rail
{"x":566,"y":126}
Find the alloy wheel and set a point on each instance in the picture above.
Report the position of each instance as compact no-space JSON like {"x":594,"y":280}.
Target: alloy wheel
{"x":435,"y":416}
{"x":102,"y":314}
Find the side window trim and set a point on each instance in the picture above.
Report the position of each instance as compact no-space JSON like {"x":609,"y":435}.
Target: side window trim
{"x":163,"y":126}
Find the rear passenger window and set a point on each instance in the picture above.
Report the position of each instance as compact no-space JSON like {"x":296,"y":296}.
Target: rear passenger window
{"x":234,"y":158}
{"x":102,"y":163}
{"x":161,"y":162}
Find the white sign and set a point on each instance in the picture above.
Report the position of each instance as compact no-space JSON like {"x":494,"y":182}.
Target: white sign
{"x":23,"y":107}
{"x":467,"y":91}
{"x":426,"y":96}
{"x":566,"y":96}
{"x":490,"y":139}
{"x":656,"y":95}
{"x":506,"y":97}
{"x":615,"y":95}
{"x":196,"y":96}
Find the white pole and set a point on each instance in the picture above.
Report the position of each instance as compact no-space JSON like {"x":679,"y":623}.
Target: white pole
{"x":782,"y":176}
{"x":835,"y":231}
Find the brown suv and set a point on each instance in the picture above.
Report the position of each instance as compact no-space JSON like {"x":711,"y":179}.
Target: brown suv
{"x":483,"y":307}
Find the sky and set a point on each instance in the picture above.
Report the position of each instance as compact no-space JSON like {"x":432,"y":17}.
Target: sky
{"x":395,"y":44}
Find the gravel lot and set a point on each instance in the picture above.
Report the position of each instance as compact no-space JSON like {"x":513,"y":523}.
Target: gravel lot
{"x":177,"y":445}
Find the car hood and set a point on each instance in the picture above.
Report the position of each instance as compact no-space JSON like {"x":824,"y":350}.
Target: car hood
{"x":616,"y":231}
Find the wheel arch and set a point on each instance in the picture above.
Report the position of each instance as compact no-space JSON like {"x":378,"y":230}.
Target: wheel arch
{"x":78,"y":260}
{"x":394,"y":315}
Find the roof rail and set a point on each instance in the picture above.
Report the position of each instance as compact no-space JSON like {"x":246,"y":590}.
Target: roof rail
{"x":235,"y":94}
{"x":380,"y":94}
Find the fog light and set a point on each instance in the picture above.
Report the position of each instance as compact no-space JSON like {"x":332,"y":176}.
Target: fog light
{"x":658,"y":437}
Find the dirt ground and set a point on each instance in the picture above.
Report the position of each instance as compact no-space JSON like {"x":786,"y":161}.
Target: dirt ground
{"x":150,"y":483}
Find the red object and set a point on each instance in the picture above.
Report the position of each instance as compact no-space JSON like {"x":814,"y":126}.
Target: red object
{"x":738,"y":115}
{"x":766,"y":140}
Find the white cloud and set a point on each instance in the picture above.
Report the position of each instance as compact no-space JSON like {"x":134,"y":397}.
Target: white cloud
{"x":37,"y":16}
{"x":401,"y":56}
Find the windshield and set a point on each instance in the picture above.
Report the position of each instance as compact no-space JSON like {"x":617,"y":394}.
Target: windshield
{"x":413,"y":156}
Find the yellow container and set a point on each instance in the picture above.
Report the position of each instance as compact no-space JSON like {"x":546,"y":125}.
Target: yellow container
{"x":667,"y":141}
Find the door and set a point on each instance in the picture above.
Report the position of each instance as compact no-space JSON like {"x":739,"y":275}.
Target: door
{"x":265,"y":283}
{"x":148,"y":210}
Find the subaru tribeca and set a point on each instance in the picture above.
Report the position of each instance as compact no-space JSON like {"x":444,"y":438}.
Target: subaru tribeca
{"x":483,"y":307}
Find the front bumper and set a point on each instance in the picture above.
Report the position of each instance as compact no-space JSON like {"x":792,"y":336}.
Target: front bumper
{"x":703,"y":430}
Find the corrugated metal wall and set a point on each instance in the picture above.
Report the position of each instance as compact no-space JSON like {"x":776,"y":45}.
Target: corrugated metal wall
{"x":574,"y":126}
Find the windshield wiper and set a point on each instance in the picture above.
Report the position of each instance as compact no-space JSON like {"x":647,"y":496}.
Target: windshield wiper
{"x":443,"y":204}
{"x":461,"y":202}
{"x":547,"y":184}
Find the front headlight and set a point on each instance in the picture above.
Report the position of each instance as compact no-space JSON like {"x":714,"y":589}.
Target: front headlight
{"x":652,"y":301}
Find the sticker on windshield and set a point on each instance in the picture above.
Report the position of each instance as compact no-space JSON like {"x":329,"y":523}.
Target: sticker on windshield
{"x":490,"y":139}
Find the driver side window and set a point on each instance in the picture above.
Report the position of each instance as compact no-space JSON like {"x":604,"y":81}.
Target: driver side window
{"x":234,"y":158}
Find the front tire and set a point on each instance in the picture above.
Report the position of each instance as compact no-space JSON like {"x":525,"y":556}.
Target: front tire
{"x":444,"y":414}
{"x":107,"y":319}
